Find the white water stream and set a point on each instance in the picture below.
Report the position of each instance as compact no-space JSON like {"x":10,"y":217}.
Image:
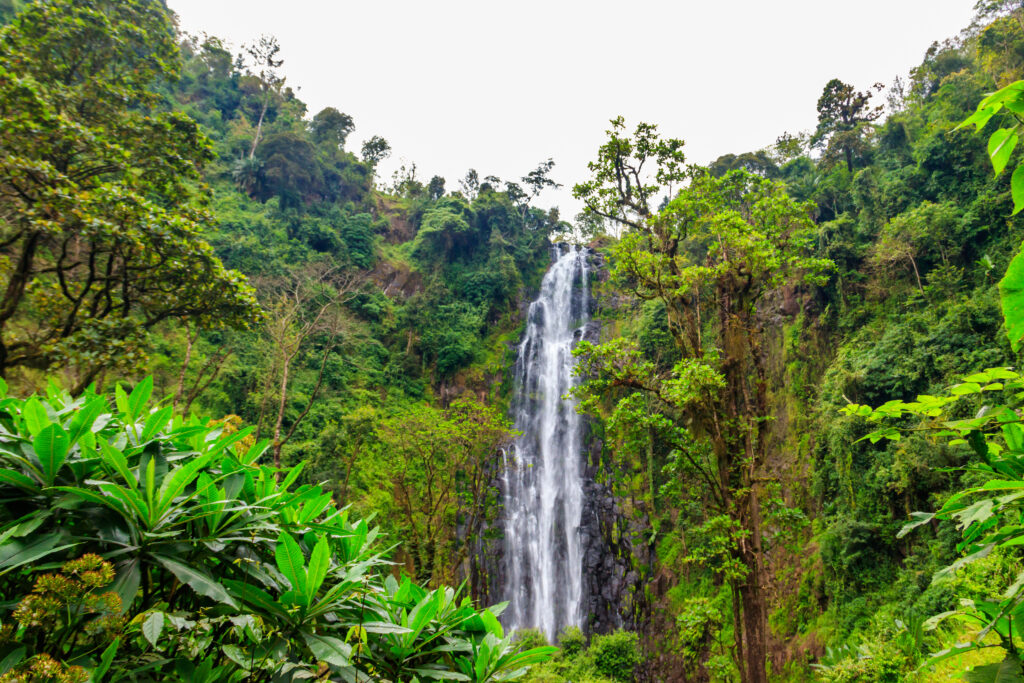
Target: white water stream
{"x":543,"y":483}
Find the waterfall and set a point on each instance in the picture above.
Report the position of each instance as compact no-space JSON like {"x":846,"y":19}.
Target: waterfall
{"x":542,"y":479}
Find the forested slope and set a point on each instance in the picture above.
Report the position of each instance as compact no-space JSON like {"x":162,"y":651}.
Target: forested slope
{"x":917,"y":232}
{"x":171,"y":210}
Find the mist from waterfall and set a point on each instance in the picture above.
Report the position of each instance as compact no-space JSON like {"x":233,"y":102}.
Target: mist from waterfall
{"x":542,"y":480}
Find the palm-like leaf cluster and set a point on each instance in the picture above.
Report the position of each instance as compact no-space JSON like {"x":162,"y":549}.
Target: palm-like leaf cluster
{"x":225,"y":568}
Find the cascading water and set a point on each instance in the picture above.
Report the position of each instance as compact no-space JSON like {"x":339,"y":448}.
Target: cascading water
{"x":542,"y":481}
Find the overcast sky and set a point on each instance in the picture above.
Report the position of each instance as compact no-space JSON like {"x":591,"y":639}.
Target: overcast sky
{"x":501,"y":86}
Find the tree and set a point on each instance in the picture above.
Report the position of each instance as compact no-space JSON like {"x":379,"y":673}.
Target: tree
{"x":264,"y":69}
{"x":759,"y":162}
{"x":538,"y":179}
{"x":303,"y":309}
{"x":470,"y":185}
{"x":843,"y":118}
{"x":376,"y":150}
{"x":713,"y":256}
{"x":621,"y":187}
{"x":435,"y":188}
{"x":102,"y":211}
{"x":445,"y":227}
{"x":442,"y":473}
{"x":287,"y":168}
{"x":332,"y":127}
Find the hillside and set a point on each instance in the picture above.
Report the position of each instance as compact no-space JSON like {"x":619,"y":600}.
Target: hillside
{"x":226,"y":340}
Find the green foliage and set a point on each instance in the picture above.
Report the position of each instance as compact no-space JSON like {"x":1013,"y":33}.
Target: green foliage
{"x":616,"y":654}
{"x":104,"y":216}
{"x":572,"y":641}
{"x":199,"y":558}
{"x":611,"y":657}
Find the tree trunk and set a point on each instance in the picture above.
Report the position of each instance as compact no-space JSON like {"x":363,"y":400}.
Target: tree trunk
{"x":259,"y":129}
{"x":752,"y":597}
{"x":755,"y":636}
{"x":282,"y":403}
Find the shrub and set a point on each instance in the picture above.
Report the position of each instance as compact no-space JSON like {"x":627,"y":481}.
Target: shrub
{"x":572,"y":641}
{"x":616,"y":654}
{"x":184,"y":557}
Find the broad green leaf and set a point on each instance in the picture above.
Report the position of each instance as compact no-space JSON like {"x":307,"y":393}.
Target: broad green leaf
{"x":954,"y":651}
{"x":319,"y":564}
{"x":152,"y":627}
{"x":83,"y":420}
{"x":225,"y":442}
{"x":291,"y":562}
{"x":18,"y":479}
{"x":1010,"y":92}
{"x":51,"y":446}
{"x":14,"y":554}
{"x":254,"y":596}
{"x":979,"y":118}
{"x":1001,"y":485}
{"x":255,"y":452}
{"x":384,"y":627}
{"x":199,"y":581}
{"x":116,"y":460}
{"x":919,"y":519}
{"x":139,"y":397}
{"x":11,"y":660}
{"x":440,"y":674}
{"x":156,"y":422}
{"x":965,"y":388}
{"x":106,"y":659}
{"x":328,"y":649}
{"x":1000,"y":147}
{"x":121,"y":399}
{"x":237,"y":655}
{"x":35,"y":415}
{"x":175,"y":484}
{"x":150,"y":484}
{"x":492,"y":624}
{"x":933,"y":622}
{"x":129,"y":499}
{"x":127,"y":579}
{"x":1011,"y":294}
{"x":1006,"y":671}
{"x":963,"y":562}
{"x":1017,"y":189}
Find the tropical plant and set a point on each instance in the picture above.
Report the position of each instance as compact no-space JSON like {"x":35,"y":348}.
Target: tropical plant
{"x":185,"y":558}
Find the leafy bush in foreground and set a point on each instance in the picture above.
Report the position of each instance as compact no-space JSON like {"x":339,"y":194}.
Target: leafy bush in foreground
{"x":137,"y":544}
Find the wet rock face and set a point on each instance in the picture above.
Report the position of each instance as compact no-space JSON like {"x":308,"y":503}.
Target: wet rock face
{"x":607,"y":583}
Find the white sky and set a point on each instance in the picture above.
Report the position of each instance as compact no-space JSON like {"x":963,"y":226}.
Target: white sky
{"x":501,"y":86}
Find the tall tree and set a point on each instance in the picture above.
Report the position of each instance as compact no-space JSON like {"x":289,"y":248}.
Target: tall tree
{"x":332,"y":127}
{"x":102,"y":212}
{"x":376,"y":150}
{"x":712,"y":257}
{"x":435,"y":188}
{"x":264,"y":67}
{"x":442,"y":473}
{"x":470,"y":185}
{"x":622,"y":186}
{"x":843,"y":115}
{"x":305,"y":310}
{"x":539,"y":179}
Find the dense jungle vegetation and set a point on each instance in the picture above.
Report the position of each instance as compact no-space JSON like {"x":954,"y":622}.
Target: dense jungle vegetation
{"x":254,"y":394}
